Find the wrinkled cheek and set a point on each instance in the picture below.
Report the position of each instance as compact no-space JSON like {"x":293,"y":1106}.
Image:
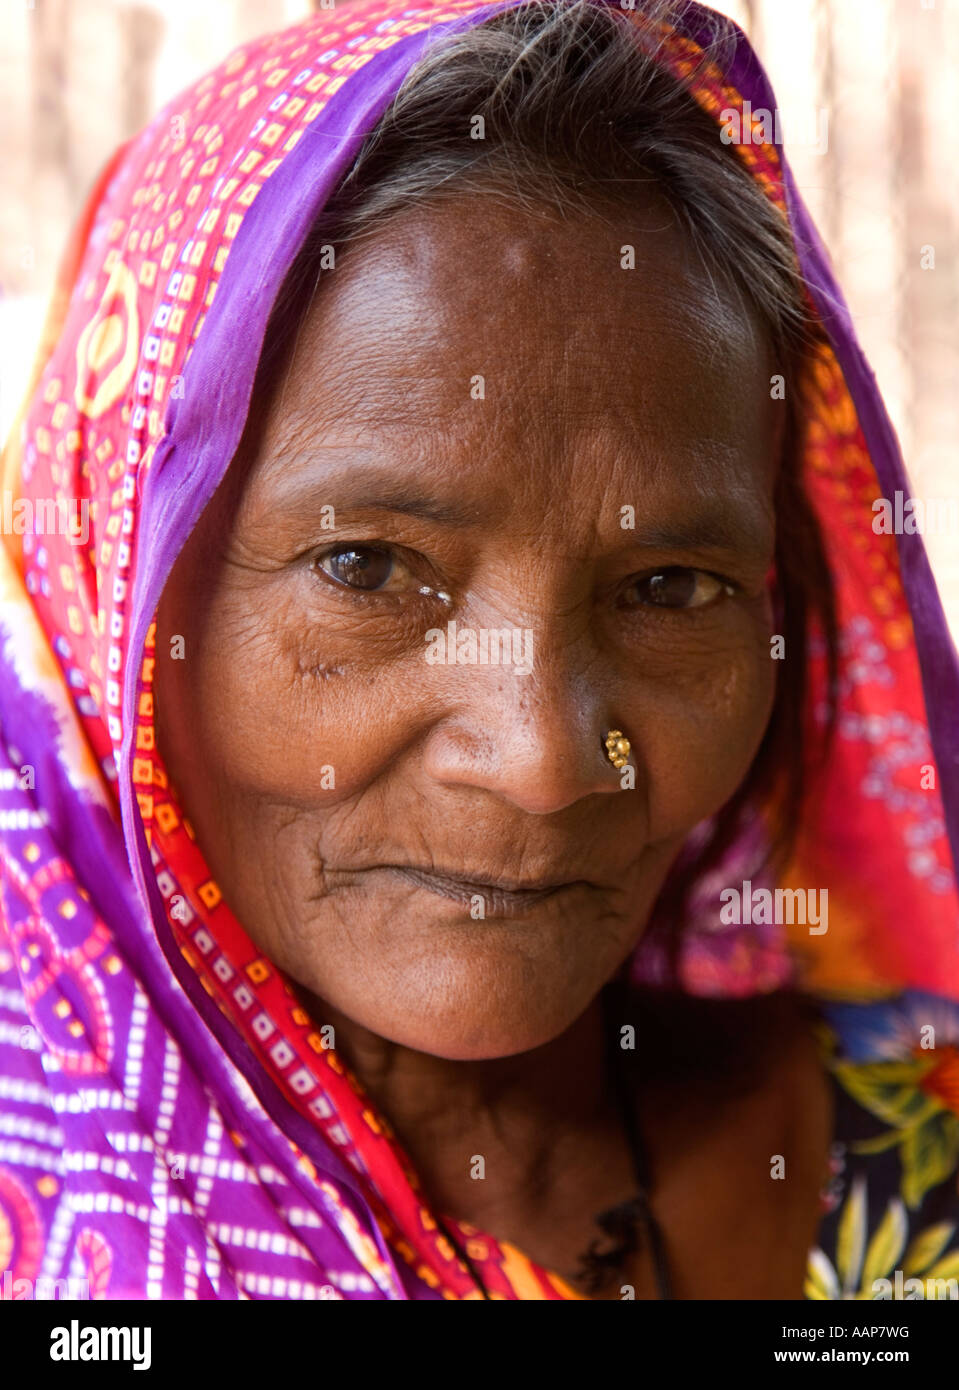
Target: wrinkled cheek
{"x":274,"y":717}
{"x":702,"y":745}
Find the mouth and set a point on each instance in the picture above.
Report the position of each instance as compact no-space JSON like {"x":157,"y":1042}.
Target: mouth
{"x":503,"y":898}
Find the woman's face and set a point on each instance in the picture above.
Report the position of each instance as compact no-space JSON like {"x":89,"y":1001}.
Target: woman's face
{"x":478,"y":405}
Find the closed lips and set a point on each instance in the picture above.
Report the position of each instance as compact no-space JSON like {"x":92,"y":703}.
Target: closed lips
{"x":501,"y":893}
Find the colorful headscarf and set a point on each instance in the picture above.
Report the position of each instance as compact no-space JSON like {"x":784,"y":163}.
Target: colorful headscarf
{"x":172,"y":1123}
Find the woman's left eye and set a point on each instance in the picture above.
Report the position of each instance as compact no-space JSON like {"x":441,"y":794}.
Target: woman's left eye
{"x":363,"y":568}
{"x":678,"y":587}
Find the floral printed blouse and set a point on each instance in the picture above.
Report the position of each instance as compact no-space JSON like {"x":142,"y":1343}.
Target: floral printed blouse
{"x":891,"y":1208}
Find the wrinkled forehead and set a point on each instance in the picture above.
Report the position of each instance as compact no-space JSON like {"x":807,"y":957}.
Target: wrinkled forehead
{"x":534,"y":344}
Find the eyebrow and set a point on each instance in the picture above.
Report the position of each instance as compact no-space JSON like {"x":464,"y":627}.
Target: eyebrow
{"x":704,"y":526}
{"x":369,"y":489}
{"x":409,"y":502}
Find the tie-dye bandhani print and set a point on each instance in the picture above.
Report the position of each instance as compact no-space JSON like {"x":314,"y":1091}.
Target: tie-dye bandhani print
{"x":171,"y":1124}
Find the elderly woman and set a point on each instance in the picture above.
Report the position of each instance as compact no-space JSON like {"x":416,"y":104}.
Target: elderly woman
{"x":481,"y":798}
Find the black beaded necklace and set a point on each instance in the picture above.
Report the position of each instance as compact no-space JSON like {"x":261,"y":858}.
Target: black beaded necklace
{"x":629,"y":1221}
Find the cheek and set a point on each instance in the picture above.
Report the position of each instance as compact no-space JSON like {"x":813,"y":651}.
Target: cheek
{"x":278,"y":709}
{"x":701,"y":719}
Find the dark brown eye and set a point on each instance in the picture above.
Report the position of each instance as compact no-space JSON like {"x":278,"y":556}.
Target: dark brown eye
{"x":679,"y":587}
{"x":358,"y":567}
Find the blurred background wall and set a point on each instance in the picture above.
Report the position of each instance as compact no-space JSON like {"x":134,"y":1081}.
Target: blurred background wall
{"x":866,"y":90}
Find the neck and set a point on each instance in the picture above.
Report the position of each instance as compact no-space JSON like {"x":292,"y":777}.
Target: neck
{"x":523,"y":1114}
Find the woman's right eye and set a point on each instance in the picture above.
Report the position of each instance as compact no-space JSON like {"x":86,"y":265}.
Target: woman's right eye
{"x":363,"y":568}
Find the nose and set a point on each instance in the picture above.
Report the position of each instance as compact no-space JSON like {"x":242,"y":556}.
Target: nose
{"x":534,"y":738}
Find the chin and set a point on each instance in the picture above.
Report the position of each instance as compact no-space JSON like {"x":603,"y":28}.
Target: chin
{"x":447,"y":1038}
{"x":485,"y":1042}
{"x":473,"y":1006}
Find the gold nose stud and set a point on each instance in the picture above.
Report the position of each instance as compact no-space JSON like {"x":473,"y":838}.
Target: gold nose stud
{"x":617,"y":748}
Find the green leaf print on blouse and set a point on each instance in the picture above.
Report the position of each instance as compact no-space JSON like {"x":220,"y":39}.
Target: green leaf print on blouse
{"x":882,"y":1266}
{"x":909,"y":1096}
{"x":898,"y":1059}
